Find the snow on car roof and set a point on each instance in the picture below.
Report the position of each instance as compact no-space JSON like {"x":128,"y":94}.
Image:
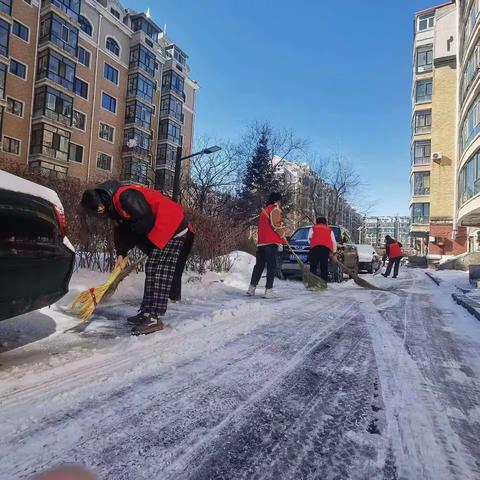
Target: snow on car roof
{"x":18,"y":184}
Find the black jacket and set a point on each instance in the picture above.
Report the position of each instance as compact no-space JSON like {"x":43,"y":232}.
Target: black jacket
{"x":132,"y":232}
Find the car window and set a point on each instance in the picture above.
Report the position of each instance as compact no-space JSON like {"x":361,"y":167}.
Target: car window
{"x":337,"y":232}
{"x":301,"y":235}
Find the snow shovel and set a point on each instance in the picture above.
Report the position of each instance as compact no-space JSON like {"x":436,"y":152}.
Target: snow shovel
{"x":358,"y":280}
{"x":310,"y":280}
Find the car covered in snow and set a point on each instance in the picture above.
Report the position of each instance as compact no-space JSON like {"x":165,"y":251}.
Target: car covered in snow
{"x":368,"y":258}
{"x":36,"y":257}
{"x":346,"y":252}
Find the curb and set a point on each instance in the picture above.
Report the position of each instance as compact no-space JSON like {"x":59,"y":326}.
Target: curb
{"x":432,"y":277}
{"x":470,"y":305}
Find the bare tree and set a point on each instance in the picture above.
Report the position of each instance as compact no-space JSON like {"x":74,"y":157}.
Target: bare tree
{"x":211,"y":179}
{"x":343,"y":182}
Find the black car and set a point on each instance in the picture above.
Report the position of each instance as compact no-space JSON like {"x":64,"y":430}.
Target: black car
{"x":36,"y":257}
{"x":346,"y":252}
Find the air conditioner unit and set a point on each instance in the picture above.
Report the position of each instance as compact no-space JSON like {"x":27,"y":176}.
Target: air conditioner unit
{"x":437,"y":157}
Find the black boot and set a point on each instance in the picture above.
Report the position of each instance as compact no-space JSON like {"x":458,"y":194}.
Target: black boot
{"x":149,"y":325}
{"x":384,"y":275}
{"x":140,"y":317}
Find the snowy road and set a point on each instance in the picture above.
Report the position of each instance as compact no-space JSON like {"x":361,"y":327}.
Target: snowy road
{"x":336,"y":385}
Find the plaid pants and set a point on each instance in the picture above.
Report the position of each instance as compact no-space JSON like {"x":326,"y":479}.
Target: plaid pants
{"x":159,"y":271}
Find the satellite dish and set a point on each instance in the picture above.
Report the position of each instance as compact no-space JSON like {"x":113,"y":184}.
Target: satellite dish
{"x":132,"y":143}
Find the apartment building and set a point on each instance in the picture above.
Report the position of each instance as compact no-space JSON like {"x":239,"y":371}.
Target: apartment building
{"x":434,"y":118}
{"x":468,"y":165}
{"x":93,"y":91}
{"x":375,"y":229}
{"x":311,"y":196}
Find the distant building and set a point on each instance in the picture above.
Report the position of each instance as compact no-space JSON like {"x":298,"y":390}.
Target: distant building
{"x":376,"y":228}
{"x":310,"y":196}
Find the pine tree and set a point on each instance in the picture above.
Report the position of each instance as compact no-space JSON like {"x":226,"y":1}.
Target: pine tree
{"x":259,"y":179}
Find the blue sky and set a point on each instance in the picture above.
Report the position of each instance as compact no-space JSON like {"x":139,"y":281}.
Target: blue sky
{"x":338,"y":73}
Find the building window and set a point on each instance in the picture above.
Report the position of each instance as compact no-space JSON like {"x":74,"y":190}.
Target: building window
{"x":140,"y":86}
{"x":420,"y":183}
{"x":424,"y":60}
{"x":53,"y":104}
{"x":106,"y":132}
{"x":142,"y":57}
{"x":166,"y":155}
{"x":135,"y":170}
{"x":4,"y":37}
{"x":423,"y":121}
{"x":175,"y":82}
{"x":141,"y":23}
{"x":55,"y":29}
{"x":179,"y":56}
{"x":109,"y":103}
{"x":471,"y":70}
{"x":110,"y":73}
{"x":423,"y":90}
{"x":172,"y":106}
{"x":18,"y":69}
{"x":80,"y":87}
{"x":75,"y":153}
{"x":83,"y":56}
{"x":164,"y":180}
{"x":20,"y":30}
{"x":139,"y":113}
{"x":85,"y":25}
{"x":170,"y":130}
{"x":425,"y":22}
{"x":78,"y":120}
{"x":57,"y":68}
{"x":3,"y":80}
{"x":137,"y":141}
{"x":11,"y":145}
{"x":471,"y":124}
{"x":471,"y":21}
{"x":420,"y":213}
{"x":51,"y":141}
{"x":6,"y":6}
{"x":113,"y":46}
{"x":469,"y":179}
{"x":115,"y":13}
{"x":421,"y":152}
{"x":70,"y":7}
{"x":104,"y":162}
{"x":14,"y":107}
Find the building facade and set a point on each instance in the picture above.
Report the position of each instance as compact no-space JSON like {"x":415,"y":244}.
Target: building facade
{"x":93,"y":91}
{"x":310,"y":196}
{"x":468,"y":165}
{"x":434,"y":144}
{"x":375,"y":229}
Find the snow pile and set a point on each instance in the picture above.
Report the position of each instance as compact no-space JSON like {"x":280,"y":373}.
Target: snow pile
{"x":242,"y":265}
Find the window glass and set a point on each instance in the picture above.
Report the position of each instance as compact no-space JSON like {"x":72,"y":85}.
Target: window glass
{"x":11,"y":145}
{"x":425,"y":22}
{"x":14,"y":107}
{"x":83,"y":56}
{"x":56,"y":67}
{"x":6,"y":6}
{"x":110,"y":73}
{"x":76,"y":153}
{"x":80,"y":88}
{"x":106,"y":132}
{"x":104,"y":162}
{"x":4,"y":34}
{"x":20,"y":30}
{"x":423,"y":90}
{"x":139,"y":113}
{"x":424,"y":59}
{"x":109,"y":102}
{"x":78,"y":120}
{"x":18,"y":69}
{"x":113,"y":46}
{"x":140,"y":86}
{"x":85,"y":25}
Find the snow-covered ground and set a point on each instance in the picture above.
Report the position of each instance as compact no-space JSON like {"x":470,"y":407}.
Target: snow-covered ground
{"x":347,"y":383}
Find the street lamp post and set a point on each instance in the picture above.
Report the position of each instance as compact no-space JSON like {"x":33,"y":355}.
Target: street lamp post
{"x":178,"y":167}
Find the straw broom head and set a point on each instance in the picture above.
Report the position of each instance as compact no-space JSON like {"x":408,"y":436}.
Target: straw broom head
{"x":85,"y":302}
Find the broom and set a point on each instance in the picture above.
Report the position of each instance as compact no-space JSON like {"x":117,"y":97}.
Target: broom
{"x":310,"y":280}
{"x":85,"y":302}
{"x":361,"y":282}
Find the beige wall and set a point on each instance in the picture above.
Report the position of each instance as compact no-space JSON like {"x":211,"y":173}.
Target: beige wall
{"x":443,"y":140}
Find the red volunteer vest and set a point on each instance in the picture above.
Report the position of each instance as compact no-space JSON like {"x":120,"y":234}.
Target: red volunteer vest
{"x":168,"y":214}
{"x":321,"y":237}
{"x":266,"y":234}
{"x":395,"y":250}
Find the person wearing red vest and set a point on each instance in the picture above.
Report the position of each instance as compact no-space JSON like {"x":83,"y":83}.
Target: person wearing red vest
{"x":271,"y":234}
{"x":322,"y":245}
{"x":394,"y":253}
{"x":146,"y":219}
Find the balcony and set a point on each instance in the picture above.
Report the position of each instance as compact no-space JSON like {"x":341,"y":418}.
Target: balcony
{"x":65,"y":7}
{"x":136,"y":150}
{"x":418,"y":191}
{"x":420,"y":220}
